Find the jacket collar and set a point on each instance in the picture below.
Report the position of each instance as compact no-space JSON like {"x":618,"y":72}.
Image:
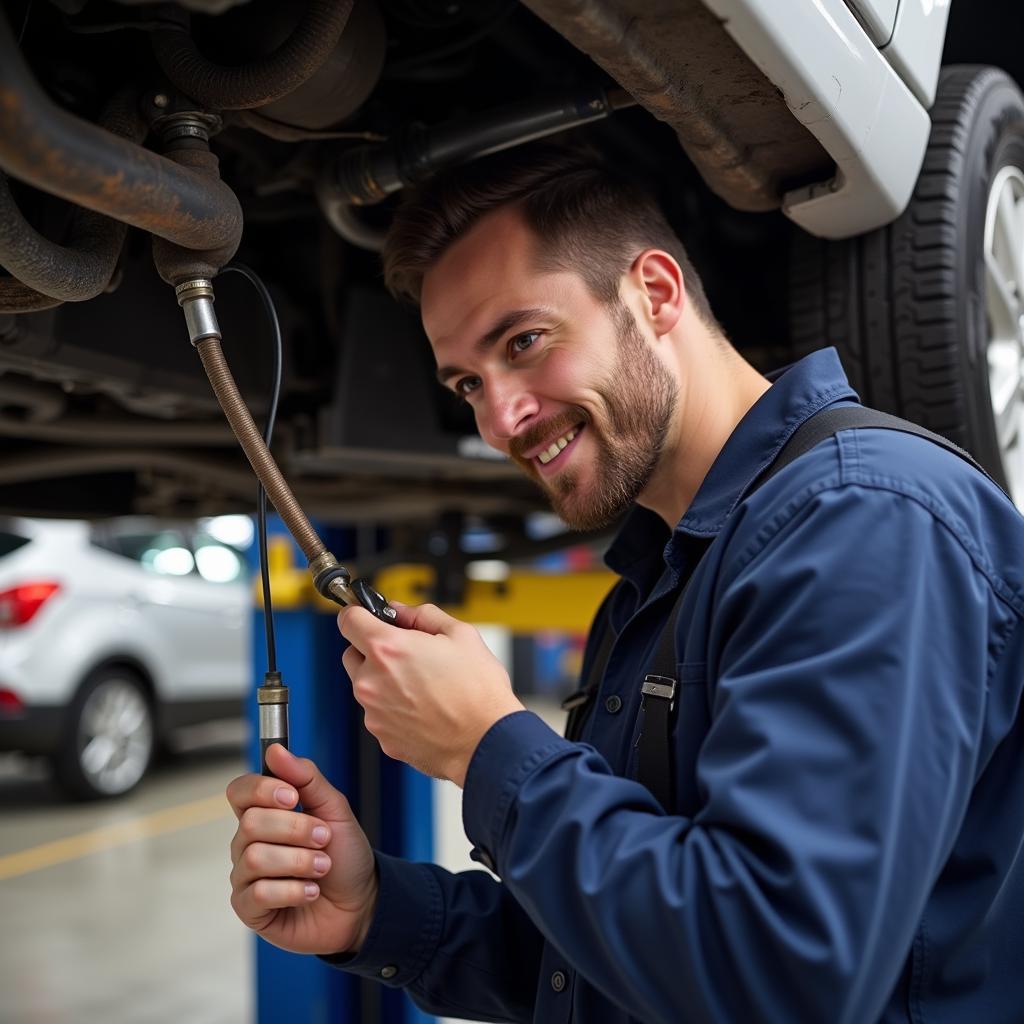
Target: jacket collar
{"x":644,"y":545}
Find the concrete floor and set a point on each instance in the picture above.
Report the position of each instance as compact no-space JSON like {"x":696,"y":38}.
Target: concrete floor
{"x":117,"y":913}
{"x":130,"y":921}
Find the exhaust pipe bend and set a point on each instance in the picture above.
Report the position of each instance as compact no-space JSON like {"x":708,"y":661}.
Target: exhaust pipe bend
{"x":71,"y":273}
{"x":59,"y":153}
{"x":82,"y":269}
{"x":16,"y":297}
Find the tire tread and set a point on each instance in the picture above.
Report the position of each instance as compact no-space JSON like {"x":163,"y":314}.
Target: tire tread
{"x":888,"y":300}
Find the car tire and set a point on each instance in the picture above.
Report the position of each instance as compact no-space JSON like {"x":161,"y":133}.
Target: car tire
{"x":926,"y":312}
{"x":109,"y":738}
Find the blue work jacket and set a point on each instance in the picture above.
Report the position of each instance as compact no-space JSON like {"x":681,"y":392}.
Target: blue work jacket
{"x":846,"y":843}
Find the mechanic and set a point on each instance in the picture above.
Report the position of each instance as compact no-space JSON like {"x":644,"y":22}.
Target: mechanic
{"x":845,"y":840}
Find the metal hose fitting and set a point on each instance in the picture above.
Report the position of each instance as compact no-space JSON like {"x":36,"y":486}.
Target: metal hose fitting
{"x":332,"y":579}
{"x":196,"y":300}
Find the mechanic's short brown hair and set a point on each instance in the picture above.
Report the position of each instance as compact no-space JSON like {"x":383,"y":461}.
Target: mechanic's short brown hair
{"x":590,"y":220}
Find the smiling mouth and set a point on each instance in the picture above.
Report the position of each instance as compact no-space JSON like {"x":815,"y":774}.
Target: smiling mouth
{"x":559,"y":445}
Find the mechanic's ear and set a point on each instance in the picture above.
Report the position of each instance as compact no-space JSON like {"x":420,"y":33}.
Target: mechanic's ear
{"x":664,"y":292}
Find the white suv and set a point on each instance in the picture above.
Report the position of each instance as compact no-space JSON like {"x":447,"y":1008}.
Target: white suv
{"x":111,"y":636}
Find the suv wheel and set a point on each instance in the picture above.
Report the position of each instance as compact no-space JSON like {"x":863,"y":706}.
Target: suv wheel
{"x":927,"y":312}
{"x":110,"y":736}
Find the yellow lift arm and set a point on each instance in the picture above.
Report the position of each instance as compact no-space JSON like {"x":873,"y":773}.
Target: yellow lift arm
{"x":525,"y":602}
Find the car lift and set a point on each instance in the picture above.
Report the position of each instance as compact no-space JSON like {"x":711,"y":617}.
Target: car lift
{"x":394,"y":803}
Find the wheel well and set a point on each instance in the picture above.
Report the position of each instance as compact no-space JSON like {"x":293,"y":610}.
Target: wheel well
{"x":990,"y":35}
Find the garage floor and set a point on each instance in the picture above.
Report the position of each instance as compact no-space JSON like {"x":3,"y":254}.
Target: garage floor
{"x":118,"y":913}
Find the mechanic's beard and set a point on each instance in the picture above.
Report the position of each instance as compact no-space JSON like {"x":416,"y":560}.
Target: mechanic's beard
{"x":639,"y":399}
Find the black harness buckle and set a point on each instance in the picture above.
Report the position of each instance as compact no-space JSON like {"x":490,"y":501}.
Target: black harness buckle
{"x":662,"y":687}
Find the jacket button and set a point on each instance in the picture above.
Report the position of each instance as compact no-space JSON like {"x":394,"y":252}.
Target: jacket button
{"x":613,"y":704}
{"x":388,"y":972}
{"x":558,"y":981}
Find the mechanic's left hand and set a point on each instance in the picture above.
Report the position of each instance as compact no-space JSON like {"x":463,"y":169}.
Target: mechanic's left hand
{"x":430,"y":689}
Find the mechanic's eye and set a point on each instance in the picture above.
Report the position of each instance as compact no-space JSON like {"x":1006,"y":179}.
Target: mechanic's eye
{"x":465,"y":385}
{"x":521,"y":342}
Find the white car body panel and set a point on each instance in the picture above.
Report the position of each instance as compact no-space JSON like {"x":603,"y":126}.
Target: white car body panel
{"x":209,"y":615}
{"x":841,"y":88}
{"x":915,"y":50}
{"x":110,"y":606}
{"x":877,"y":16}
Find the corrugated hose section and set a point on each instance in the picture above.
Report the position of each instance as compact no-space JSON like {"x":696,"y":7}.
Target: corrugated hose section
{"x":255,"y":449}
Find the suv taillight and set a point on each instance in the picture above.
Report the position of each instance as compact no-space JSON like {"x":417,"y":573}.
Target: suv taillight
{"x":19,"y":604}
{"x":10,"y":702}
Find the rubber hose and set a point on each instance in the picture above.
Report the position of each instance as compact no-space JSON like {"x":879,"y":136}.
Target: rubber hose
{"x":261,"y":81}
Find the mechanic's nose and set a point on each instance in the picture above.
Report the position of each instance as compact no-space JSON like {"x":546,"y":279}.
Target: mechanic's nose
{"x":509,"y":411}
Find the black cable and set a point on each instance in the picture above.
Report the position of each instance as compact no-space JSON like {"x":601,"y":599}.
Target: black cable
{"x":400,"y":68}
{"x":268,"y":432}
{"x":24,"y":23}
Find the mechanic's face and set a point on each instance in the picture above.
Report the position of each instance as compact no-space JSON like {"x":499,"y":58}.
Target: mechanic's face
{"x":564,"y":384}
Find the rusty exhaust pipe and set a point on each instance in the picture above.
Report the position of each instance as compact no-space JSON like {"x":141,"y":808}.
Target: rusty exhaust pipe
{"x":56,"y":152}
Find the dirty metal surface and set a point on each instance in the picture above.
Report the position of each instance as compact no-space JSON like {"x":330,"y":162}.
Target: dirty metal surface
{"x":59,"y":153}
{"x":678,"y":62}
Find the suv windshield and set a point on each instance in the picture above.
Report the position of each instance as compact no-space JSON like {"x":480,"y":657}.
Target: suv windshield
{"x":10,"y":542}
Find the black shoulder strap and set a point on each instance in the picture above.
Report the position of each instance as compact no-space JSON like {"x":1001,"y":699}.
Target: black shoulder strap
{"x":654,"y":768}
{"x":850,"y":417}
{"x":658,"y":702}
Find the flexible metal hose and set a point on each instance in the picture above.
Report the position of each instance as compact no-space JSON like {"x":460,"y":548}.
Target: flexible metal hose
{"x":261,"y":81}
{"x":255,"y":448}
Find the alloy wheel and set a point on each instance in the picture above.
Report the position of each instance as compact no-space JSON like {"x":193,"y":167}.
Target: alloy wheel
{"x":1004,"y":297}
{"x":115,"y":736}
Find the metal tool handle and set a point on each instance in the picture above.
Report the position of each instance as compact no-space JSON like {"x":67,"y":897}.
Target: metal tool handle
{"x":264,"y":744}
{"x":375,"y":603}
{"x":272,"y":698}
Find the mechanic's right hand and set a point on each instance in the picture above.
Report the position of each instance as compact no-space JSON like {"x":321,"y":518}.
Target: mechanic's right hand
{"x":304,"y":890}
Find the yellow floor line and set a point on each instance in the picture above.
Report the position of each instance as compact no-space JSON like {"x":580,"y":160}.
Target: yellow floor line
{"x":198,"y":812}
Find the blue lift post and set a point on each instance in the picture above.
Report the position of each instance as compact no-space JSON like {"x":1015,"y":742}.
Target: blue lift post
{"x":393,"y":802}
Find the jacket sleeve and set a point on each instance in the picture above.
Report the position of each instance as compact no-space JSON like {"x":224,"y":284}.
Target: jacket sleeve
{"x":849,"y":664}
{"x":458,"y":943}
